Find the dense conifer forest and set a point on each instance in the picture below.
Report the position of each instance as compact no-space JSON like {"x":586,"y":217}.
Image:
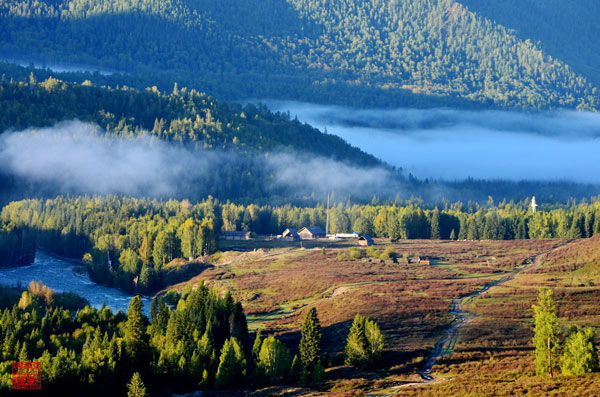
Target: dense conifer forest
{"x":197,"y":339}
{"x":315,"y":50}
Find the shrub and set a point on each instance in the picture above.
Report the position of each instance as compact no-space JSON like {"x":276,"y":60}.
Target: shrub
{"x":580,"y":355}
{"x":355,"y":253}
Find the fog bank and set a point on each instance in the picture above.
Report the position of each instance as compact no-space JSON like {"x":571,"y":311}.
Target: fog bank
{"x":77,"y":157}
{"x":454,"y":144}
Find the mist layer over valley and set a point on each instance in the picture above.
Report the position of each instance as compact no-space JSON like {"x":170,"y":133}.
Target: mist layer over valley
{"x":455,"y":144}
{"x":81,"y":158}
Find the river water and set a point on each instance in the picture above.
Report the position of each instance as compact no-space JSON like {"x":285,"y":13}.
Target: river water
{"x":62,"y":276}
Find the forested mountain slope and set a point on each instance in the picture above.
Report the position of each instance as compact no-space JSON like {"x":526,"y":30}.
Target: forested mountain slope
{"x":567,"y":30}
{"x":319,"y":50}
{"x":183,"y":116}
{"x":194,"y":144}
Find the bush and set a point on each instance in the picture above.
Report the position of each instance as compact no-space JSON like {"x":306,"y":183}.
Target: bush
{"x":372,"y":252}
{"x":391,"y":254}
{"x":356,"y":253}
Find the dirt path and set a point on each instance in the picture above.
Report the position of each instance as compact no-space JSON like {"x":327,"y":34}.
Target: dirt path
{"x":447,"y":342}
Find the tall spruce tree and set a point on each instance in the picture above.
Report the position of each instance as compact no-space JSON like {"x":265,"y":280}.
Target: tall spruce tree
{"x":435,"y":225}
{"x":546,"y":333}
{"x":136,"y":338}
{"x":357,"y":344}
{"x":310,"y":341}
{"x":136,"y":387}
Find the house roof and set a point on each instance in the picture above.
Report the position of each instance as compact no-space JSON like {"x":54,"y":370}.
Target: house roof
{"x":290,"y":231}
{"x":366,"y":237}
{"x":313,"y":230}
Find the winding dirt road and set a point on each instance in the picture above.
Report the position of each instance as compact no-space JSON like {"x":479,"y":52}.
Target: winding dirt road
{"x":448,"y":341}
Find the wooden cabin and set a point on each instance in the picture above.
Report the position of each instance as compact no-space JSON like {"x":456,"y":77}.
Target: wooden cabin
{"x":290,"y":234}
{"x":365,"y":241}
{"x":311,"y":233}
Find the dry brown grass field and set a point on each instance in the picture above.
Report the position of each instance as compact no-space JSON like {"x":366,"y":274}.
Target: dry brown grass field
{"x":411,"y":302}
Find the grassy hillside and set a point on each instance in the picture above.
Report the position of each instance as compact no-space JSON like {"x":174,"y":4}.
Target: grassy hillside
{"x":405,"y":52}
{"x":494,"y":355}
{"x":411,"y":301}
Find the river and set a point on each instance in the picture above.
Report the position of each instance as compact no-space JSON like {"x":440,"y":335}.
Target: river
{"x":62,"y":276}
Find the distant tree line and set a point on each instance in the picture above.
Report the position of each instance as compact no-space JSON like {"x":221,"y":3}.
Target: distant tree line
{"x":194,"y":340}
{"x":129,"y":243}
{"x":124,"y":243}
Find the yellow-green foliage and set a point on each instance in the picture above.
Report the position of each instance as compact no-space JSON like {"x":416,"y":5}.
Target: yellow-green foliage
{"x":580,"y":355}
{"x":355,"y":253}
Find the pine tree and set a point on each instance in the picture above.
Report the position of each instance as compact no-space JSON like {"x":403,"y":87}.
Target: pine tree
{"x":357,"y":344}
{"x":435,"y":225}
{"x":146,"y":250}
{"x":364,"y":344}
{"x":136,"y":338}
{"x":256,"y":346}
{"x":296,"y":369}
{"x":546,"y":333}
{"x":232,"y":364}
{"x":136,"y":388}
{"x":453,"y":235}
{"x":310,"y":341}
{"x":580,"y":355}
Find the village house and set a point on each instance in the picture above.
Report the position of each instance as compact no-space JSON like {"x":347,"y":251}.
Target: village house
{"x":365,"y":241}
{"x":311,"y":233}
{"x":236,"y":235}
{"x":290,"y":234}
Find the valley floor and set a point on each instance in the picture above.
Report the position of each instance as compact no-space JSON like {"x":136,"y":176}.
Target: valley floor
{"x":489,"y":354}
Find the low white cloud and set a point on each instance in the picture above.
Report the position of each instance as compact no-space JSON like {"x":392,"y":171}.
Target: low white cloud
{"x":79,"y":157}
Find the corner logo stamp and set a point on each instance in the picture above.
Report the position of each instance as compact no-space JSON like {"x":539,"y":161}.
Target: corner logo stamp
{"x":26,"y":375}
